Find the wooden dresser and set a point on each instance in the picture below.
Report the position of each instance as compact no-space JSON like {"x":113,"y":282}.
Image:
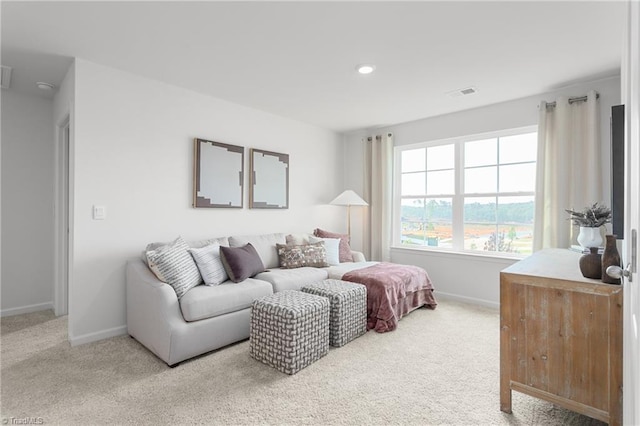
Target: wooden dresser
{"x":561,"y":336}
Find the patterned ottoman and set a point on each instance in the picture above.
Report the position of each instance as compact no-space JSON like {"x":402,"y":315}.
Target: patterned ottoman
{"x":289,"y":330}
{"x":348,"y":317}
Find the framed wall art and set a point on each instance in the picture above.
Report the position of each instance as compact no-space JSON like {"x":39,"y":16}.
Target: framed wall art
{"x":269,"y":180}
{"x":218,"y":175}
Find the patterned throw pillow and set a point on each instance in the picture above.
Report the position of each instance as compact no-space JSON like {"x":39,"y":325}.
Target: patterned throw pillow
{"x":345,"y":249}
{"x":173,"y":265}
{"x":241,"y":262}
{"x":292,"y":256}
{"x":209,"y":263}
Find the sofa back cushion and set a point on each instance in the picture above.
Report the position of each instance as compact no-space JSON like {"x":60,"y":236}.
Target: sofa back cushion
{"x":223,"y":241}
{"x":265,"y":245}
{"x":298,"y":239}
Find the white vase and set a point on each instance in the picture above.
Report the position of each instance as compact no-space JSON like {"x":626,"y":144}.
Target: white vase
{"x":589,"y":237}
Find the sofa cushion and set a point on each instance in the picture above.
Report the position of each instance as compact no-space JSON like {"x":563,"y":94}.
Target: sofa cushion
{"x":292,"y":279}
{"x":209,"y":264}
{"x":336,"y":272}
{"x":265,"y":245}
{"x":298,"y":239}
{"x":241,"y":262}
{"x":345,"y":249}
{"x":223,"y":241}
{"x":210,"y":301}
{"x":174,"y":265}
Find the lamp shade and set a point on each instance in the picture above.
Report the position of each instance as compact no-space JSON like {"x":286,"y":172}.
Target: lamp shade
{"x":349,"y":198}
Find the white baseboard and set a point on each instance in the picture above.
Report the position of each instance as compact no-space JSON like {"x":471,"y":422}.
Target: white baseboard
{"x":98,"y":335}
{"x":26,"y":309}
{"x":472,"y":300}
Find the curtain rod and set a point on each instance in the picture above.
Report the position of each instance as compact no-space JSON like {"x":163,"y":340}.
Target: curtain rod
{"x":370,"y":138}
{"x":572,"y":100}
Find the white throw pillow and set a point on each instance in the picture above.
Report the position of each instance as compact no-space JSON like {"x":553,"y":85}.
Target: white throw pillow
{"x":332,"y":246}
{"x":174,"y":265}
{"x":209,"y":263}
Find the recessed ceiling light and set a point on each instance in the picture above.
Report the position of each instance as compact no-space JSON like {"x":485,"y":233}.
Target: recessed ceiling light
{"x":365,"y":68}
{"x":44,"y":86}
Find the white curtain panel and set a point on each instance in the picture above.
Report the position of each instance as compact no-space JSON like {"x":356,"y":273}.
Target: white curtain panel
{"x":569,"y":174}
{"x":378,"y":175}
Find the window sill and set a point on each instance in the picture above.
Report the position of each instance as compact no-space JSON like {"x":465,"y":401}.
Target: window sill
{"x":503,"y":258}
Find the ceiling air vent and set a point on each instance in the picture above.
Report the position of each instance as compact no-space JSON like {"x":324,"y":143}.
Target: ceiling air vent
{"x":6,"y":77}
{"x":462,"y":92}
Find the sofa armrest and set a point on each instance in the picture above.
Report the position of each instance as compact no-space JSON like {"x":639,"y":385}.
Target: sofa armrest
{"x":153,"y":309}
{"x":358,"y":256}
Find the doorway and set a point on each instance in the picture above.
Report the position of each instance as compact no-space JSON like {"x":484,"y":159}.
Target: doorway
{"x":62,"y":223}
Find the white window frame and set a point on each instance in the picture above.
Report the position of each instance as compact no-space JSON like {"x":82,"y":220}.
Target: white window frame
{"x":457,"y":197}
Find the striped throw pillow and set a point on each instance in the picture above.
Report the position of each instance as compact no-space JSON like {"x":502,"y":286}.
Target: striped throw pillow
{"x":209,"y":263}
{"x":174,"y":265}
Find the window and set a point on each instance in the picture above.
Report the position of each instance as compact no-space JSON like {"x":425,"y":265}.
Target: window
{"x":468,"y":194}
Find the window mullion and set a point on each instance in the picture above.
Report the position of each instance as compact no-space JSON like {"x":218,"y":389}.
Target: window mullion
{"x":458,"y":199}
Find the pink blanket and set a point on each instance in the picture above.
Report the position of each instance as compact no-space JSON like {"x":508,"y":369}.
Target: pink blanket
{"x":392,"y":292}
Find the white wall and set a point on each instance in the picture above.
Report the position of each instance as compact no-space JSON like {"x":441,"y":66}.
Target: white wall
{"x":470,"y":277}
{"x":134,"y":154}
{"x":27,"y":203}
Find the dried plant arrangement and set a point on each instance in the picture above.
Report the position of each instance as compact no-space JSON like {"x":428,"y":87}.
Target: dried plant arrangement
{"x":591,"y":217}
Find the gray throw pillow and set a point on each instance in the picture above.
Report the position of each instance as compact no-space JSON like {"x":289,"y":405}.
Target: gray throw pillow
{"x":241,"y":262}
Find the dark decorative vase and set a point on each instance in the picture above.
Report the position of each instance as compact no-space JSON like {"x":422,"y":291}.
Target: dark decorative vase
{"x":591,"y":264}
{"x":610,"y":257}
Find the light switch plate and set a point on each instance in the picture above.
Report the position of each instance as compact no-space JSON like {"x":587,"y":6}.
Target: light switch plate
{"x":99,"y":212}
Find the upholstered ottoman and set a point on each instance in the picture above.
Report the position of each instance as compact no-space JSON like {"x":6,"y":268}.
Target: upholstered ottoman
{"x":348,"y":313}
{"x":289,"y":330}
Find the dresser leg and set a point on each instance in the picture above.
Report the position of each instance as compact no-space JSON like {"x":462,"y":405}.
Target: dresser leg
{"x":505,"y":399}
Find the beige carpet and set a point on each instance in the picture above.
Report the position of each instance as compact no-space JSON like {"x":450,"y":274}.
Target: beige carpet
{"x":438,"y":367}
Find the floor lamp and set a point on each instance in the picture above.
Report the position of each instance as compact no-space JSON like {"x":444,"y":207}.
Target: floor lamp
{"x":348,"y":198}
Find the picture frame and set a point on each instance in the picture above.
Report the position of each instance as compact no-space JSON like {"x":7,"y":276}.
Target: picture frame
{"x":218,"y":175}
{"x":269,"y":180}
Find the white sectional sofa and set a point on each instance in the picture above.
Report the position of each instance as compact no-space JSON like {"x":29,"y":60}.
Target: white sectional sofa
{"x":206,"y":318}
